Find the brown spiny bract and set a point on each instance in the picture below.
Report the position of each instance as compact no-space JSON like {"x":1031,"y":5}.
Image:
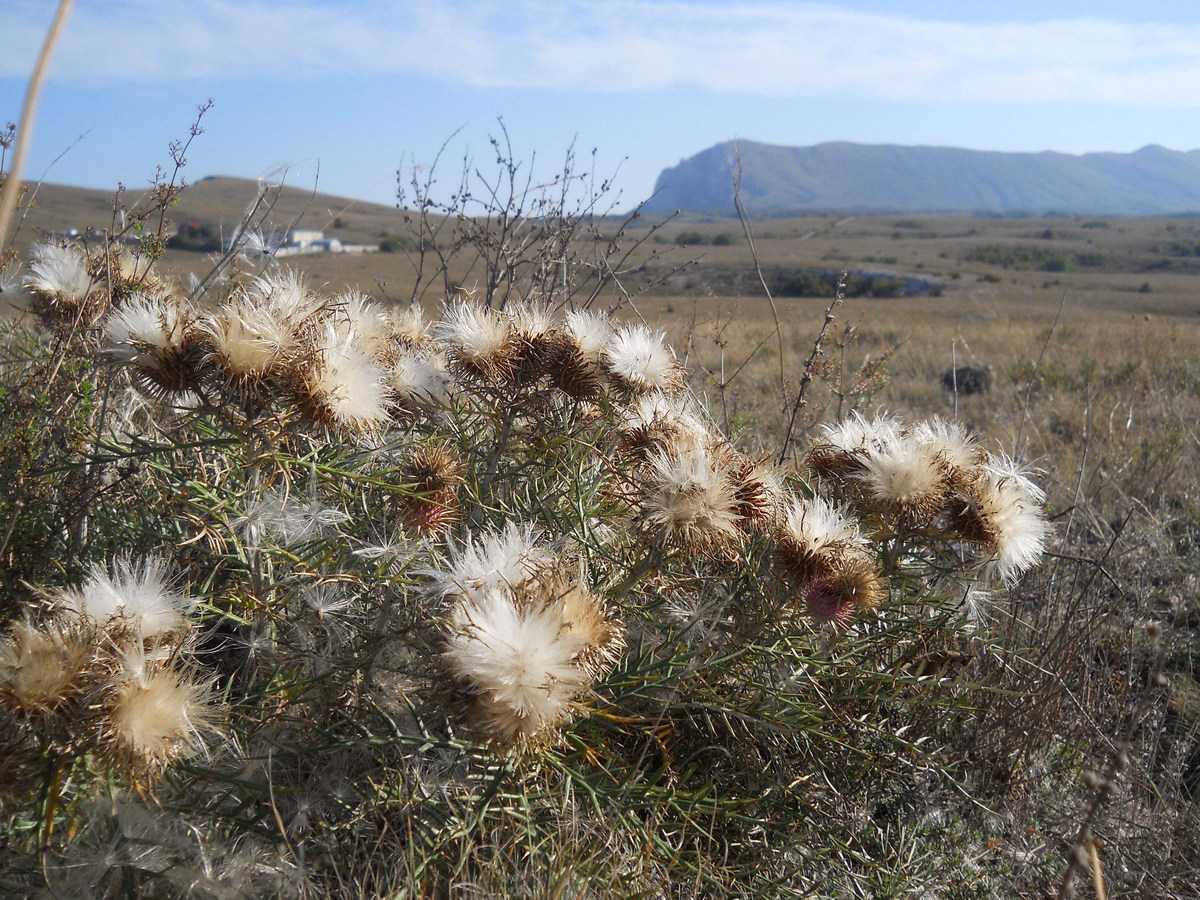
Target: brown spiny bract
{"x":434,"y":474}
{"x":538,"y":346}
{"x":813,"y":539}
{"x":827,"y":462}
{"x":159,"y":340}
{"x":575,"y":375}
{"x":758,"y":490}
{"x":858,"y":580}
{"x":581,"y":372}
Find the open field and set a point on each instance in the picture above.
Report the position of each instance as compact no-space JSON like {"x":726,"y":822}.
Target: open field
{"x":969,"y":738}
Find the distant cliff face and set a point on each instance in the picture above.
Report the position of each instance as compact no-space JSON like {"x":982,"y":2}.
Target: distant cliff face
{"x":884,"y":178}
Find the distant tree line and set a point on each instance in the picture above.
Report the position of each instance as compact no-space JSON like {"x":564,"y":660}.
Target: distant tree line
{"x":1038,"y":259}
{"x":699,"y":239}
{"x":824,"y":283}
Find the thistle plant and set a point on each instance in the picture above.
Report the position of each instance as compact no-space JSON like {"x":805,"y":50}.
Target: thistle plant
{"x":491,"y":564}
{"x":509,"y":537}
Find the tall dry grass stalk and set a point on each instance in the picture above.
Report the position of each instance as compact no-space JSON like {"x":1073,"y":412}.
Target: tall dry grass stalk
{"x":11,"y":189}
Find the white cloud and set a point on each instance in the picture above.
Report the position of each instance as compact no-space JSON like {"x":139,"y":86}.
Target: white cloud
{"x":771,"y":48}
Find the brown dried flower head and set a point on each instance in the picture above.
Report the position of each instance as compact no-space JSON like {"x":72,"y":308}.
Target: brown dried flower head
{"x":435,"y":474}
{"x":155,"y":716}
{"x":813,"y":540}
{"x":41,"y":668}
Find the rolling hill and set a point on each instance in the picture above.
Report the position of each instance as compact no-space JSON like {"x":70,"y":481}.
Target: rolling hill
{"x":866,"y":178}
{"x":216,"y":200}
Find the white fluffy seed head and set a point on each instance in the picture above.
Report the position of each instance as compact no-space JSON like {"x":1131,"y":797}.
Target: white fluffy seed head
{"x":529,"y":320}
{"x":283,"y":292}
{"x":409,"y":328}
{"x":419,"y":378}
{"x":1011,"y":504}
{"x":133,"y":594}
{"x":496,"y":560}
{"x":903,"y":477}
{"x":639,"y":360}
{"x":521,"y":660}
{"x":856,"y":432}
{"x":658,"y":421}
{"x":590,"y":331}
{"x":355,"y":313}
{"x":814,"y":538}
{"x":949,"y":440}
{"x":157,"y":338}
{"x":156,"y":716}
{"x":249,"y":342}
{"x":59,"y":274}
{"x":689,"y":501}
{"x":479,"y":342}
{"x":526,"y":656}
{"x":342,"y":386}
{"x":838,"y":452}
{"x":142,"y":322}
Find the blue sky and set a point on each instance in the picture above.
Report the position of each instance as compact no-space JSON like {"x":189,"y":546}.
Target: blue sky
{"x":342,"y":94}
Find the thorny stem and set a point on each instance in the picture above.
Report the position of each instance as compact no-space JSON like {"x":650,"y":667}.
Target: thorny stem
{"x":493,"y":462}
{"x":90,"y":470}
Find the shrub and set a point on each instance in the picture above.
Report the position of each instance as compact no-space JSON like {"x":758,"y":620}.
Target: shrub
{"x":497,"y":571}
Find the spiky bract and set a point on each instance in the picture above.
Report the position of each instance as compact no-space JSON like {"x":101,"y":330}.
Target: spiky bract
{"x":434,"y":475}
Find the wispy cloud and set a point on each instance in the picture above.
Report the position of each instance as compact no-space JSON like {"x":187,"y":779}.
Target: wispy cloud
{"x":764,"y":48}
